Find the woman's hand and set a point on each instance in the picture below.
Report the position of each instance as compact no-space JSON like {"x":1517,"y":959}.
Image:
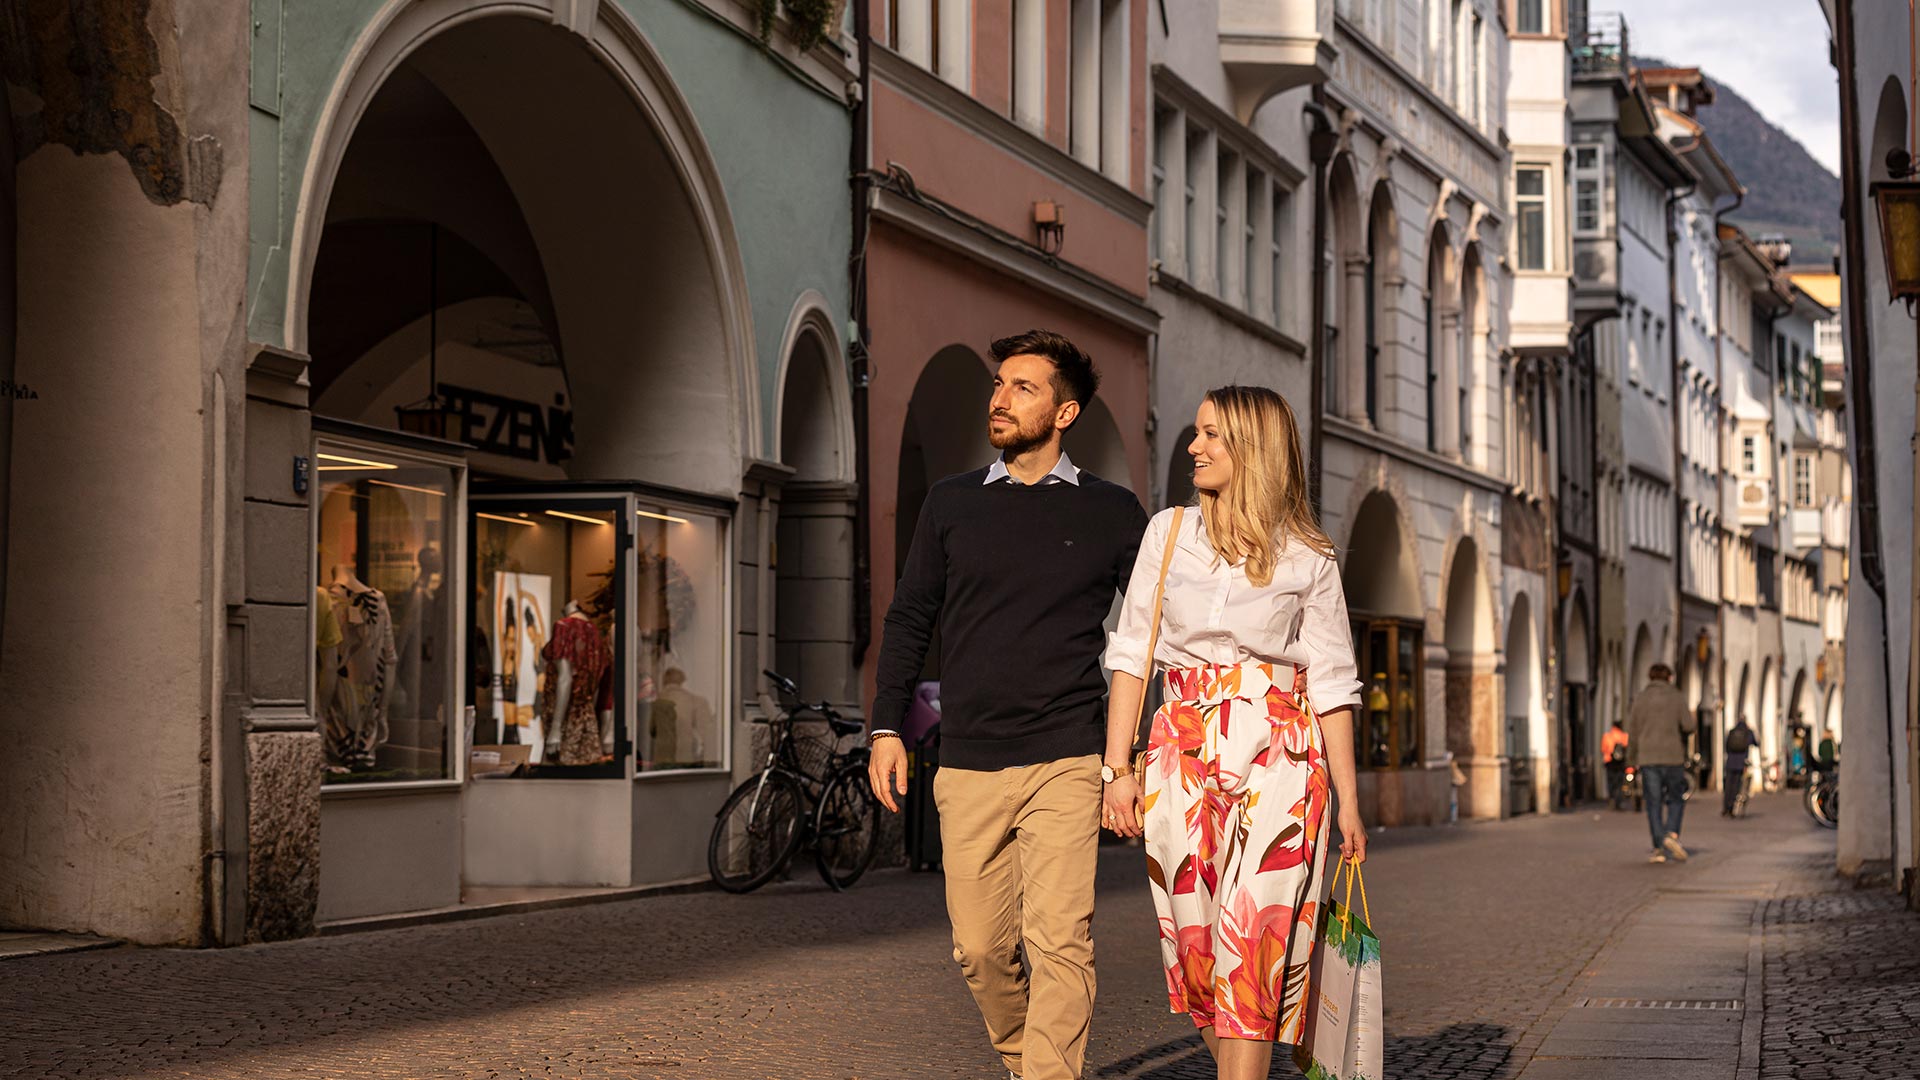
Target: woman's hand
{"x":1121,"y":808}
{"x":1353,"y":835}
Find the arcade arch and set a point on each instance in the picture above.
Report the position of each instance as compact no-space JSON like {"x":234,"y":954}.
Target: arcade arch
{"x":1472,"y":730}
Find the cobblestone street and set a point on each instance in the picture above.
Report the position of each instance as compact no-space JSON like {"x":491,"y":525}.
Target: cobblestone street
{"x":1495,"y":937}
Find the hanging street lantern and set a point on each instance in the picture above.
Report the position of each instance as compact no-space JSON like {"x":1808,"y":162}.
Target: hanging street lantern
{"x":1899,"y":206}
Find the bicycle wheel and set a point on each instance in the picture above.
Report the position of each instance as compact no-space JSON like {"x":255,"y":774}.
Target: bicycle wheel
{"x":758,"y":830}
{"x":846,"y":829}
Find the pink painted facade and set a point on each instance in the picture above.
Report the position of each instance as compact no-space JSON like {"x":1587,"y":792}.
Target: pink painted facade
{"x":954,"y":258}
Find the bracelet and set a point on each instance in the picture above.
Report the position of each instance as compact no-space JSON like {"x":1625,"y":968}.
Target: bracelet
{"x":878,"y":735}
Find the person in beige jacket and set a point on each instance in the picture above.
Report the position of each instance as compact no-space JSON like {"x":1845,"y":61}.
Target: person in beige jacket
{"x":1657,"y":731}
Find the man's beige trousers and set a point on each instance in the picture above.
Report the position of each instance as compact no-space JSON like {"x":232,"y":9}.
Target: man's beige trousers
{"x":1019,"y":847}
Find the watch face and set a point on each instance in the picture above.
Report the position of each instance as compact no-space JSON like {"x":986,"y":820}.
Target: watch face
{"x":1106,"y":774}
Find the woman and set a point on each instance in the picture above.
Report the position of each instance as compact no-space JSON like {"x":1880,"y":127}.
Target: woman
{"x":1258,"y":722}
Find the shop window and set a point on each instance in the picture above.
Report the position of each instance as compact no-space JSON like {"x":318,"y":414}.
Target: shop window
{"x":680,"y":624}
{"x":1387,"y":735}
{"x":598,"y":636}
{"x":385,"y":625}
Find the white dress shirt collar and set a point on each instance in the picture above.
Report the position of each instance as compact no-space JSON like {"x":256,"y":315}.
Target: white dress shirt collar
{"x":1063,"y":471}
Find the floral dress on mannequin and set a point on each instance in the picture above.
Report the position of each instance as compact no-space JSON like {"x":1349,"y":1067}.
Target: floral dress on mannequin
{"x":578,"y":645}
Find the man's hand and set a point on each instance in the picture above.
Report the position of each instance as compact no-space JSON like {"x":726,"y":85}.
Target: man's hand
{"x":1353,"y":836}
{"x":1121,"y":809}
{"x":887,"y":768}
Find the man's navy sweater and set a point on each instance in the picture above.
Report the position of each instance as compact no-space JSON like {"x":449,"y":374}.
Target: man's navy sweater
{"x":1019,"y":580}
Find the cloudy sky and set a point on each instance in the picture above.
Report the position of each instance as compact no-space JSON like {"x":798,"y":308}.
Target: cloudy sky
{"x":1774,"y":52}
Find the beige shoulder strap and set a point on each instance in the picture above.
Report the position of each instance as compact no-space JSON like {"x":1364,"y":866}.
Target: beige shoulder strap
{"x":1159,"y":594}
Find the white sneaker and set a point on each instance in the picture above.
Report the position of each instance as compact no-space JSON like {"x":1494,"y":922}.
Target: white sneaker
{"x":1657,"y":857}
{"x":1672,"y":844}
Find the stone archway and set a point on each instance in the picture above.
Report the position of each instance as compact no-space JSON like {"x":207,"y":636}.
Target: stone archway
{"x":474,"y":188}
{"x":1381,"y":577}
{"x":527,"y":209}
{"x":1472,"y":725}
{"x":1769,"y":712}
{"x":1346,"y":316}
{"x":1442,"y":345}
{"x":1643,"y":656}
{"x":1579,"y":733}
{"x":813,"y":567}
{"x":1380,"y":351}
{"x":942,"y":437}
{"x":1470,"y":352}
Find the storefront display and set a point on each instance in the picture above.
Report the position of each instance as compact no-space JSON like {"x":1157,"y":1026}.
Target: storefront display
{"x":1387,"y":736}
{"x":383,"y":620}
{"x":547,"y":597}
{"x":634,"y":665}
{"x":678,"y":626}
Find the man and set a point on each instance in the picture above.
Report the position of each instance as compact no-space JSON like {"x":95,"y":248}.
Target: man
{"x":1739,"y":741}
{"x":1613,"y":751}
{"x":1016,"y":565}
{"x":1657,"y":731}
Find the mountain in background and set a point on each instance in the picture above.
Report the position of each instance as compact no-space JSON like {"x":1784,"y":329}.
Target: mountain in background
{"x":1788,"y":192}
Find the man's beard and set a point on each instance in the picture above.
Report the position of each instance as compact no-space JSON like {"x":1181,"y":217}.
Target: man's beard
{"x":1016,"y":440}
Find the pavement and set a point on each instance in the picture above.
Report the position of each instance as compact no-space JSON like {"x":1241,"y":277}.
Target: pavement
{"x":1543,"y":948}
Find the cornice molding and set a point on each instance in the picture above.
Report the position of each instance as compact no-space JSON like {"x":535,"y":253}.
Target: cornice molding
{"x":1062,"y":280}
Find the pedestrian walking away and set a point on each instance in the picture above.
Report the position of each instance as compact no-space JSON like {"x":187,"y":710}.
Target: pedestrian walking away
{"x":1613,"y":751}
{"x":1657,"y":730}
{"x":1016,"y":566}
{"x":1739,"y":743}
{"x":1239,"y":600}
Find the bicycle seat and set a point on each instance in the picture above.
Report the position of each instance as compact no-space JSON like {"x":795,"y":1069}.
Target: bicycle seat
{"x":843,"y":726}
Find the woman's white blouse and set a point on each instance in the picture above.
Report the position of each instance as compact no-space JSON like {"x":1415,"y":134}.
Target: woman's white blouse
{"x":1212,"y":615}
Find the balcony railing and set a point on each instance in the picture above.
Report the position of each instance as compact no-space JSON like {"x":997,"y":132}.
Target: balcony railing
{"x":1601,"y":47}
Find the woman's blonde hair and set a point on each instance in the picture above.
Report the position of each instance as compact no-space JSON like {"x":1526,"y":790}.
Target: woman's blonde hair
{"x":1264,"y":506}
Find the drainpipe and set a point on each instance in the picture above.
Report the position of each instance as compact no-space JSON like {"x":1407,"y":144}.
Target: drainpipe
{"x":862,"y":372}
{"x":1866,"y":471}
{"x":1320,"y":147}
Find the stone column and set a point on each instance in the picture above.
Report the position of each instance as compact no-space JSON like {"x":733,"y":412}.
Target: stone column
{"x":1447,"y":397}
{"x":1353,"y":331}
{"x":269,"y":634}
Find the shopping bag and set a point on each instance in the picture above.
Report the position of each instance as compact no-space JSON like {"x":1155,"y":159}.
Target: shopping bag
{"x":1341,"y":1038}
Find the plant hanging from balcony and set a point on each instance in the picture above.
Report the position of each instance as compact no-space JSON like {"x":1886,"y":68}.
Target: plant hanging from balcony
{"x":811,"y":21}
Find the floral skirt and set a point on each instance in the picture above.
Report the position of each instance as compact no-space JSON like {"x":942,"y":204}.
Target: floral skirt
{"x":1236,"y":823}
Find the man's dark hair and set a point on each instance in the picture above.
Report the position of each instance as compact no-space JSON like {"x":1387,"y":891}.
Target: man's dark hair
{"x":1661,"y":672}
{"x":1074,"y":378}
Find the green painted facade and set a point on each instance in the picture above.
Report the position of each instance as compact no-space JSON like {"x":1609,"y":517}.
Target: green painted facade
{"x":779,"y":140}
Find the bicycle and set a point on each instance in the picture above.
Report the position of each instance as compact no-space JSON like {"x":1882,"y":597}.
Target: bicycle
{"x":773,"y":813}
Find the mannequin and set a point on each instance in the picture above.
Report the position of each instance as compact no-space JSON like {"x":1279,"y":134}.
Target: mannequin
{"x":355,"y":711}
{"x":577,"y":661}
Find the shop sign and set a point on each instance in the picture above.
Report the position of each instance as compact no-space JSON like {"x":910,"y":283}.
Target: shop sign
{"x":510,"y":426}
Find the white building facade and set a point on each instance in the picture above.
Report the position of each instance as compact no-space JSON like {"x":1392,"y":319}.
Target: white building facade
{"x":1412,"y":438}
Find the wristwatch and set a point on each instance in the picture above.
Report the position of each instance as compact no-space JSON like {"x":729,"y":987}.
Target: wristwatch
{"x":1108,"y":774}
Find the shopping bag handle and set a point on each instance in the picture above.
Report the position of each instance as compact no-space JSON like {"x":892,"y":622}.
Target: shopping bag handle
{"x":1353,"y":874}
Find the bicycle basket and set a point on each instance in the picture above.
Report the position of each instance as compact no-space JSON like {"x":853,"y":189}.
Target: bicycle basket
{"x":814,"y":745}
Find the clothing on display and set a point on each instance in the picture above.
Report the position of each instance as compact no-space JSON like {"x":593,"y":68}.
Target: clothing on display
{"x":680,"y":721}
{"x":577,"y":661}
{"x":420,"y":639}
{"x":354,"y":705}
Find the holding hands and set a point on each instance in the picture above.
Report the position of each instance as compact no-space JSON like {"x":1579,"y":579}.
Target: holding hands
{"x":1122,"y":810}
